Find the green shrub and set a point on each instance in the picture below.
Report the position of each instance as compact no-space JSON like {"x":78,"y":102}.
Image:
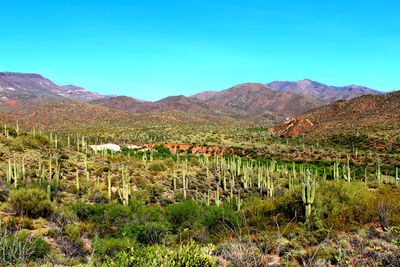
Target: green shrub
{"x":31,"y":202}
{"x":148,"y":233}
{"x":19,"y":248}
{"x":73,"y":232}
{"x":110,"y":247}
{"x":183,"y":215}
{"x":63,"y":215}
{"x":261,"y":214}
{"x":16,"y":223}
{"x":184,"y":255}
{"x":387,"y":206}
{"x":213,"y":217}
{"x":342,"y":204}
{"x":162,"y":149}
{"x":23,"y":142}
{"x":158,"y":165}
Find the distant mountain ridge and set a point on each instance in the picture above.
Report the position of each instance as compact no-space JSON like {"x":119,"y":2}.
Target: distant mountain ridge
{"x":257,"y":97}
{"x":205,"y":95}
{"x":34,"y":87}
{"x":307,"y":87}
{"x":248,"y":101}
{"x":321,"y":91}
{"x":171,"y":103}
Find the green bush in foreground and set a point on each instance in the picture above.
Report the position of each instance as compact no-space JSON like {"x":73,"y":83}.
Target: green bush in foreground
{"x":19,"y":248}
{"x":31,"y":202}
{"x":183,"y":255}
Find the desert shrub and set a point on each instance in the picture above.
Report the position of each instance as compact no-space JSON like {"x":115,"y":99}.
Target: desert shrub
{"x":261,"y":213}
{"x":72,"y":231}
{"x":213,"y":217}
{"x":3,"y":194}
{"x":147,"y":233}
{"x":162,"y":149}
{"x":63,"y":215}
{"x":84,"y":211}
{"x":31,"y":202}
{"x":97,"y":195}
{"x":289,"y":205}
{"x":110,"y":247}
{"x":183,"y":215}
{"x":28,"y":141}
{"x":17,"y":144}
{"x":154,"y":192}
{"x":239,"y":253}
{"x":19,"y":248}
{"x":16,"y":223}
{"x":387,"y":206}
{"x":157,"y":165}
{"x":342,"y":204}
{"x":183,"y":255}
{"x":69,"y":247}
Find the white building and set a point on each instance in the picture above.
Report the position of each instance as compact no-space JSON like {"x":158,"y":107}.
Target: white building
{"x":113,"y":147}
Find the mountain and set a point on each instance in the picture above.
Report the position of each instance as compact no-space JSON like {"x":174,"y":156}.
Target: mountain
{"x":172,"y":103}
{"x":67,"y":116}
{"x":194,"y":105}
{"x":364,"y":117}
{"x":125,"y":103}
{"x":66,"y":111}
{"x":257,"y":97}
{"x":34,"y":87}
{"x":321,"y":91}
{"x":205,"y":95}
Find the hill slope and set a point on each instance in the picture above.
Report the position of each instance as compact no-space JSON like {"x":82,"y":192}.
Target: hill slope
{"x":172,"y":103}
{"x":369,"y":116}
{"x":205,"y":95}
{"x":34,"y":87}
{"x":125,"y":103}
{"x":321,"y":91}
{"x":257,"y":97}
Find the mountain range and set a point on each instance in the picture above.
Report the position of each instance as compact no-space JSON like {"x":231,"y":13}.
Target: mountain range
{"x":321,"y":91}
{"x":28,"y":94}
{"x":171,"y":103}
{"x":34,"y":87}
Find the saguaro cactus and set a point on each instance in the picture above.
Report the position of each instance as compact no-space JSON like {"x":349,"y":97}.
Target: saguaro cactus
{"x":109,"y":184}
{"x":174,"y":179}
{"x":239,"y":201}
{"x":49,"y":192}
{"x":184,"y":180}
{"x":124,"y":192}
{"x":308,"y":194}
{"x":217,"y":200}
{"x":77,"y":180}
{"x":378,"y":173}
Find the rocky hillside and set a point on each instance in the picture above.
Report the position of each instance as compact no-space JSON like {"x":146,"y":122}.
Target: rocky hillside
{"x":169,"y":104}
{"x":34,"y":87}
{"x":126,"y":103}
{"x":321,"y":91}
{"x":365,"y":117}
{"x":257,"y":97}
{"x":205,"y":95}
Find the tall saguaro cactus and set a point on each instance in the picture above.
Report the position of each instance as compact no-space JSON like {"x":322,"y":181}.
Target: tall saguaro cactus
{"x":378,"y":173}
{"x":109,"y":184}
{"x":308,"y":194}
{"x":124,"y":192}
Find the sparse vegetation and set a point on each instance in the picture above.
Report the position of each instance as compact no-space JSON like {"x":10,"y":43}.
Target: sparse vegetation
{"x":198,"y":194}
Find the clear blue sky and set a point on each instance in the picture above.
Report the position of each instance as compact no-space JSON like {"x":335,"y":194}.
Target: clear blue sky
{"x":152,"y":49}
